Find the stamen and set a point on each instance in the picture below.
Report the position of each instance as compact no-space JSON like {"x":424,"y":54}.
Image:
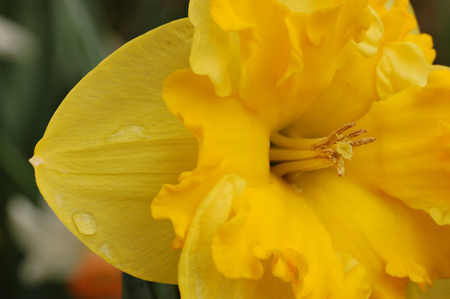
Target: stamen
{"x":297,"y":154}
{"x":340,"y":166}
{"x":354,"y":134}
{"x":362,"y":141}
{"x":292,"y":143}
{"x":280,"y":154}
{"x":301,"y":166}
{"x":333,"y":137}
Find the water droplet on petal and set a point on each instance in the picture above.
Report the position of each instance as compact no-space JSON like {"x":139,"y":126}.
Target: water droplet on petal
{"x":128,"y":133}
{"x":107,"y":253}
{"x":59,"y":200}
{"x":85,"y":223}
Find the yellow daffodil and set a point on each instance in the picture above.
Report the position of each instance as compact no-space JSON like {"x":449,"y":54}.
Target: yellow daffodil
{"x":310,"y":140}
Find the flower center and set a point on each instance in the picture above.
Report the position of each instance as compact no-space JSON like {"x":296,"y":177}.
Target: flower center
{"x":298,"y":154}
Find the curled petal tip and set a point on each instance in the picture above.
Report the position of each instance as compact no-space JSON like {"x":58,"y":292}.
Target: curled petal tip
{"x":35,"y":161}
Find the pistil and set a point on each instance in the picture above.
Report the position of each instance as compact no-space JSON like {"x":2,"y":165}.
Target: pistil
{"x":298,"y":154}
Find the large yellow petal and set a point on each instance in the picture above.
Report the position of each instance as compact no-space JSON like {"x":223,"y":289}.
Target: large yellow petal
{"x":410,"y":159}
{"x":393,"y":241}
{"x":109,"y":148}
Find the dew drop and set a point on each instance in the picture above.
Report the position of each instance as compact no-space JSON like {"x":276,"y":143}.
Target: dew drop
{"x":297,"y":188}
{"x":108,"y":253}
{"x":85,"y":223}
{"x":59,"y":200}
{"x":128,"y":133}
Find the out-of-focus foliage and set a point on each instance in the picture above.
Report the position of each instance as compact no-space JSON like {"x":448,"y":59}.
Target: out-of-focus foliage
{"x":433,"y":19}
{"x":46,"y":47}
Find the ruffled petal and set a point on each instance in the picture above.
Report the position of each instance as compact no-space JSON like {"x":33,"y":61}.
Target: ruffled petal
{"x":403,"y":60}
{"x":369,"y":46}
{"x":401,"y":66}
{"x":196,"y":267}
{"x":410,"y":159}
{"x":109,"y":148}
{"x":263,"y":37}
{"x":233,"y":140}
{"x":275,"y":222}
{"x":392,"y":241}
{"x":318,"y":38}
{"x":286,"y":56}
{"x":398,"y":21}
{"x":425,"y":42}
{"x":211,"y":48}
{"x":198,"y":276}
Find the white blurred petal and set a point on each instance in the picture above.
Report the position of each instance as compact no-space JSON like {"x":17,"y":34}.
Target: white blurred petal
{"x":16,"y":42}
{"x":51,"y":251}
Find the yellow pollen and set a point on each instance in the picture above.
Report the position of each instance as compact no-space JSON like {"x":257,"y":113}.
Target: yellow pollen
{"x":298,"y":154}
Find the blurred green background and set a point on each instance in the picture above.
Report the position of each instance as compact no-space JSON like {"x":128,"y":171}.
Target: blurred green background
{"x":46,"y":47}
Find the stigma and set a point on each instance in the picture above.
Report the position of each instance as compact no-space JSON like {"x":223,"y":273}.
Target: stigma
{"x":298,"y":154}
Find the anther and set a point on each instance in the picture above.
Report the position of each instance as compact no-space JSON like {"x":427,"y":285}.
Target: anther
{"x":355,"y":133}
{"x":362,"y":141}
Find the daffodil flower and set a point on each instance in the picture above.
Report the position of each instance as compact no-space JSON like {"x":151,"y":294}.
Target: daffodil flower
{"x":262,"y":149}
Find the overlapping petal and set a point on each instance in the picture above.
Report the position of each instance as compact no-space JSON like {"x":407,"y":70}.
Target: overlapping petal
{"x":398,"y":21}
{"x":233,"y":140}
{"x":199,"y":277}
{"x":402,"y":65}
{"x":392,"y":240}
{"x":403,"y":60}
{"x":303,"y":44}
{"x":411,"y":159}
{"x":369,"y":45}
{"x":320,"y":44}
{"x":211,"y":49}
{"x":109,"y":148}
{"x":275,"y":223}
{"x":239,"y":145}
{"x":425,"y":42}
